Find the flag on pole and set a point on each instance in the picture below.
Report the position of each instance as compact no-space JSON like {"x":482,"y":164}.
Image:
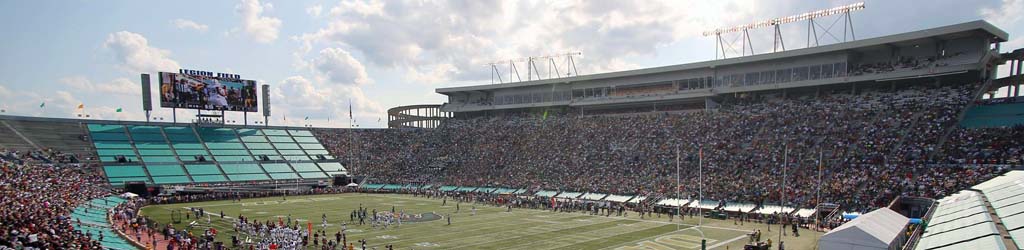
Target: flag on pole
{"x":545,"y":115}
{"x":349,"y":108}
{"x":119,"y":110}
{"x":81,"y":106}
{"x":307,"y":118}
{"x":42,"y":105}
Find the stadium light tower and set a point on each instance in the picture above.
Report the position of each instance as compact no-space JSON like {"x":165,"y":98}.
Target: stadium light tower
{"x":531,"y":67}
{"x":779,"y":44}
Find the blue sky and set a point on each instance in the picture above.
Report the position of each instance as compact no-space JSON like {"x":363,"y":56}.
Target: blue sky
{"x":319,"y":55}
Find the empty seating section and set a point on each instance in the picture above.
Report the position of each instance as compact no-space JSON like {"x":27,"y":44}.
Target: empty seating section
{"x":181,"y":154}
{"x":284,"y":176}
{"x":112,"y":143}
{"x":127,"y":173}
{"x":994,"y":115}
{"x":332,"y":168}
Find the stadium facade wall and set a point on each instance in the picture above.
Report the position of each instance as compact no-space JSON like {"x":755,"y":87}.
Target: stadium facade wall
{"x":965,"y":48}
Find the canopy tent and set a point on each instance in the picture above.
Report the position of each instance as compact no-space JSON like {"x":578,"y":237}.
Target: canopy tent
{"x":879,"y":229}
{"x":127,"y":195}
{"x":352,"y":185}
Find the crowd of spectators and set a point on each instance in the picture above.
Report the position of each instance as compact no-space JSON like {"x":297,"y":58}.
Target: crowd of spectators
{"x":37,"y":196}
{"x":913,"y":63}
{"x":875,"y":145}
{"x":985,"y":146}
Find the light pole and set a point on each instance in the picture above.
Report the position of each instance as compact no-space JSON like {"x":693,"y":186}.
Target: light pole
{"x":782,"y":200}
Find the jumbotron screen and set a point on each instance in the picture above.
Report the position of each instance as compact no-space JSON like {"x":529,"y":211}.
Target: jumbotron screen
{"x":207,"y":91}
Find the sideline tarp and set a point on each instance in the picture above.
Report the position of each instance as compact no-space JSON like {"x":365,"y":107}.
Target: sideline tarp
{"x":875,"y":230}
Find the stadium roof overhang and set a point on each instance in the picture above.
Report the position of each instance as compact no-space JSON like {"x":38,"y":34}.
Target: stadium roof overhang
{"x":967,"y":29}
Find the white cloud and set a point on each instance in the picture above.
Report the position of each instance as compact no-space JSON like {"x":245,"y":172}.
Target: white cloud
{"x":298,"y":97}
{"x":300,"y":93}
{"x":134,"y":53}
{"x":441,"y":41}
{"x":4,"y":92}
{"x":339,"y":67}
{"x":261,"y":28}
{"x":1006,"y":15}
{"x":365,"y":8}
{"x":314,"y":10}
{"x":119,"y":86}
{"x":189,"y":24}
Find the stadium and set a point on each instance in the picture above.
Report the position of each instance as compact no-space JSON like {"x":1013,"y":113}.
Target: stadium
{"x":910,"y":140}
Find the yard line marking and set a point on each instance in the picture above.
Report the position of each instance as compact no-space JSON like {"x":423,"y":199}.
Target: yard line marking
{"x":727,"y":241}
{"x":544,"y":221}
{"x":211,"y":214}
{"x":484,"y":222}
{"x":576,"y":236}
{"x":529,"y":231}
{"x":532,"y":230}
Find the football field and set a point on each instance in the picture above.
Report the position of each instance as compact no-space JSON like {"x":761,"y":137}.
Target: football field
{"x":489,"y":228}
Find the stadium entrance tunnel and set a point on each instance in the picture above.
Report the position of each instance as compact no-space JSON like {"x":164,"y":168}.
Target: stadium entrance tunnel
{"x":417,"y":116}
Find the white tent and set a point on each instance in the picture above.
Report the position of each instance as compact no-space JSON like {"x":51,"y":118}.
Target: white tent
{"x":352,"y":185}
{"x":879,"y":229}
{"x":127,"y":195}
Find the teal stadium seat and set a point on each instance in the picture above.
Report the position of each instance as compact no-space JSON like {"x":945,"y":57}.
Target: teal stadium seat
{"x":248,"y":177}
{"x":298,"y":133}
{"x":284,"y":176}
{"x":236,"y":158}
{"x":276,"y":167}
{"x":313,"y":175}
{"x":305,"y":167}
{"x":159,"y":159}
{"x":165,"y":170}
{"x":183,"y":138}
{"x":994,"y":115}
{"x":202,"y":169}
{"x":186,"y":145}
{"x":109,"y":137}
{"x":148,"y":137}
{"x":286,"y":146}
{"x":144,"y":129}
{"x":265,"y":146}
{"x":209,"y":178}
{"x":272,"y":132}
{"x":157,"y":154}
{"x":124,"y":171}
{"x":170,"y":179}
{"x":306,"y":140}
{"x":241,"y":169}
{"x":112,"y":144}
{"x":178,"y":130}
{"x":291,"y":152}
{"x":100,"y":128}
{"x":263,"y":152}
{"x":296,"y":158}
{"x":152,"y":145}
{"x":309,"y":146}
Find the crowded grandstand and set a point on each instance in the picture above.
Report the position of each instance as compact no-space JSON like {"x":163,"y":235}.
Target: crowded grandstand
{"x":903,"y":134}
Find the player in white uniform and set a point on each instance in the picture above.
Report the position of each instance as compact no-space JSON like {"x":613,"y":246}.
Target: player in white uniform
{"x":217,"y":94}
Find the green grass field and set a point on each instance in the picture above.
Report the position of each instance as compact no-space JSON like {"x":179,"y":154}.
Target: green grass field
{"x":491,"y":227}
